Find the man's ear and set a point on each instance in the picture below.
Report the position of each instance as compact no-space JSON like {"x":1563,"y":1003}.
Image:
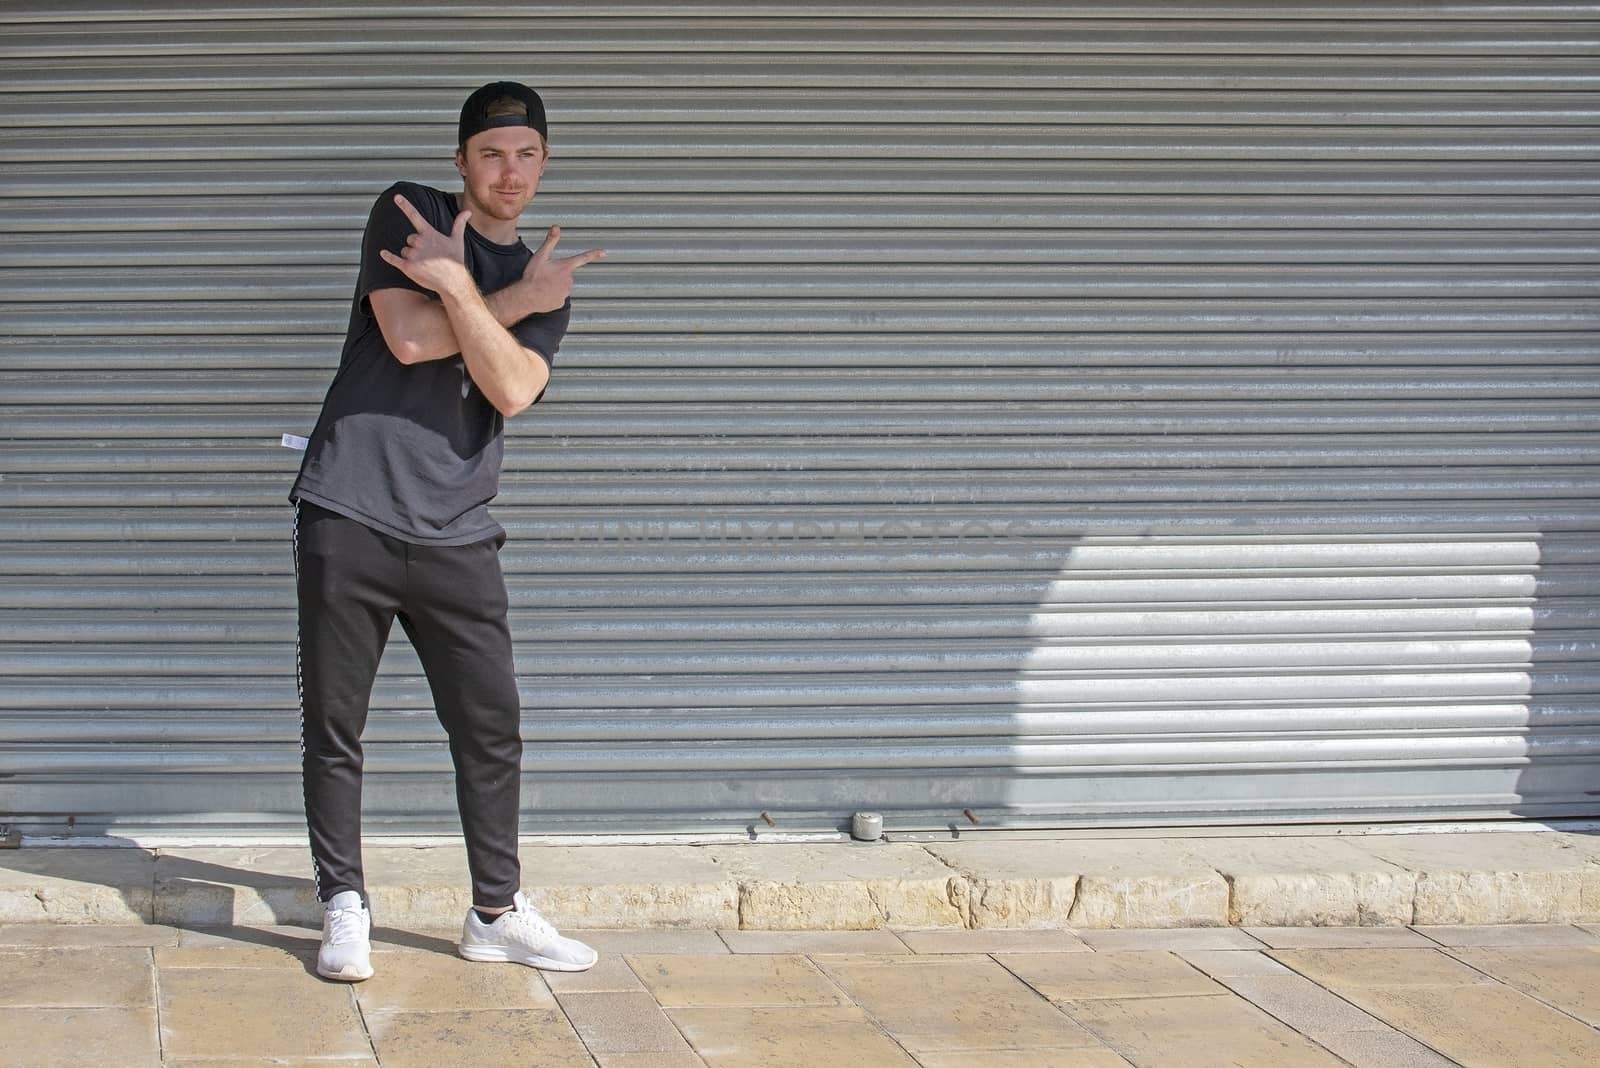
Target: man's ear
{"x":461,"y":164}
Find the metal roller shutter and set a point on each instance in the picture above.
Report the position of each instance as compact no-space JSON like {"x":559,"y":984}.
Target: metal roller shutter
{"x":1137,"y":412}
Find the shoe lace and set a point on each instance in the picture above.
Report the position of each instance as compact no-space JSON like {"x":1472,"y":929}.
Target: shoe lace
{"x":345,"y":925}
{"x":530,"y":927}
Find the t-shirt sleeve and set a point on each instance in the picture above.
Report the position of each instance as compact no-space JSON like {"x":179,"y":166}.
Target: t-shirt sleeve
{"x":542,"y":332}
{"x":388,"y":228}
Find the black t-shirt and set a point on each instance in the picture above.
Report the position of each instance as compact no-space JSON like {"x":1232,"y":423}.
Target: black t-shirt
{"x":414,"y":450}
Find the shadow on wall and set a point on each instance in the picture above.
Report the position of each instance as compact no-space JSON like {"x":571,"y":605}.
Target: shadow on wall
{"x":1559,"y":762}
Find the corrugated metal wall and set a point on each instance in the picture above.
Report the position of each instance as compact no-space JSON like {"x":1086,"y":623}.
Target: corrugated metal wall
{"x":1139,"y":412}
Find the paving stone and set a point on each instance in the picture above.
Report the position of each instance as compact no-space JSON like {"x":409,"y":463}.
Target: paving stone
{"x":622,"y":1023}
{"x":218,"y":887}
{"x":1174,"y":940}
{"x":937,"y":1003}
{"x":74,"y":1037}
{"x":787,"y":1037}
{"x":1487,"y":1024}
{"x":1493,"y":877}
{"x":1082,"y":1057}
{"x":813,"y":942}
{"x":483,"y":1036}
{"x":734,"y":980}
{"x":1566,"y":977}
{"x":1338,"y":969}
{"x":610,"y":975}
{"x":428,"y":982}
{"x":1340,"y":937}
{"x":649,"y":1060}
{"x":77,"y":886}
{"x":259,"y":1013}
{"x":284,"y":936}
{"x":1301,"y":1004}
{"x":274,"y":1062}
{"x":1198,"y":1032}
{"x":1228,"y":963}
{"x":388,"y":939}
{"x":1087,"y":883}
{"x":78,"y":935}
{"x":44,"y":977}
{"x":1540,"y":934}
{"x":1065,"y":977}
{"x":242,"y":947}
{"x":1383,"y":1049}
{"x":841,"y":887}
{"x":698,"y":943}
{"x":1319,"y":881}
{"x":993,"y":940}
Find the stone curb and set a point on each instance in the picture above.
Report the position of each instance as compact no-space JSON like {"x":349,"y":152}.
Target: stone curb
{"x":1499,"y":877}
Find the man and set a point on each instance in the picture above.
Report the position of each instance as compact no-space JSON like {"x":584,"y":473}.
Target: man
{"x":453,"y":329}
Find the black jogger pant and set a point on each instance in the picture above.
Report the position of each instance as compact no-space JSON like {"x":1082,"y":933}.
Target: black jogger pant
{"x":353,"y":582}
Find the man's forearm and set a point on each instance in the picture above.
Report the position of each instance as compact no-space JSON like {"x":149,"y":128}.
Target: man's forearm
{"x":499,"y":365}
{"x":434,"y":338}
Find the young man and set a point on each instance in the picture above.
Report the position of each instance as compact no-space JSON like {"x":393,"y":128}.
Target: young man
{"x":453,"y":329}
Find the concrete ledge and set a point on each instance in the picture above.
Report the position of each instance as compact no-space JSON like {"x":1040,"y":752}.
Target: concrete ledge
{"x":841,"y":887}
{"x":1086,"y":883}
{"x":997,"y":881}
{"x":77,"y":886}
{"x":1487,"y":878}
{"x":1307,"y":882}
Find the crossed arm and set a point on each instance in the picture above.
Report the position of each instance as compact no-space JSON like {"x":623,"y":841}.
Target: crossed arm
{"x":463,"y":320}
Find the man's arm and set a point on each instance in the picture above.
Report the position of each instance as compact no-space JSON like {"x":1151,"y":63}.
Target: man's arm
{"x":418,"y":329}
{"x":509,"y":375}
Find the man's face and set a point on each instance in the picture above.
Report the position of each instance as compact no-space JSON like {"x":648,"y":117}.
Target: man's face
{"x":501,"y":168}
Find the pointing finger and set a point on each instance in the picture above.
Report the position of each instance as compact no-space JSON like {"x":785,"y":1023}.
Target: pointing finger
{"x":580,"y":259}
{"x":548,"y":246}
{"x":411,"y":213}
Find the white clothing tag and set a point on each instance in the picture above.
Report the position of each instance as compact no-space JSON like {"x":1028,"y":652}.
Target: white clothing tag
{"x":295,"y":441}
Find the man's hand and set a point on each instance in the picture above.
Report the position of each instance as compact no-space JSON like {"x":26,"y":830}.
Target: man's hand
{"x":431,"y":259}
{"x":549,"y":277}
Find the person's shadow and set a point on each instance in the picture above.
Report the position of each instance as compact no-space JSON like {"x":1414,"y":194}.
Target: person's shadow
{"x":199,"y":896}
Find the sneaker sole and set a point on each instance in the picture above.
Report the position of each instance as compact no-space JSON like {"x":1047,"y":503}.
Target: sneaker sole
{"x":496,"y":955}
{"x":348,"y":974}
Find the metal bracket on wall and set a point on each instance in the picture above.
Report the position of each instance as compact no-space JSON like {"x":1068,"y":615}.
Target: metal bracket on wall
{"x":10,"y":837}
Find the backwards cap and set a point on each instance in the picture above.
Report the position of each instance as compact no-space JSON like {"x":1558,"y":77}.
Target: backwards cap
{"x":515,"y":104}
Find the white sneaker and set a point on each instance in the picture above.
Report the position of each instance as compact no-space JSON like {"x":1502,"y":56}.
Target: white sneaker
{"x":346,"y":951}
{"x":522,"y":936}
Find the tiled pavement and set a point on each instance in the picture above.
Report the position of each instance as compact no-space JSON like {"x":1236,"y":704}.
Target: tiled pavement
{"x":1283,"y":997}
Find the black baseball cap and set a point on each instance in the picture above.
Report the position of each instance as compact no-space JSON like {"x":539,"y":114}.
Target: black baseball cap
{"x":512,"y":103}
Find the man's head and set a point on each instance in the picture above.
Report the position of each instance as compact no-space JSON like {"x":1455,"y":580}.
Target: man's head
{"x":501,"y":104}
{"x":502,"y":150}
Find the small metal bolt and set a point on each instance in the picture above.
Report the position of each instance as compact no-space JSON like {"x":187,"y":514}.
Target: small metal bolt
{"x":768,"y":820}
{"x":967,"y":812}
